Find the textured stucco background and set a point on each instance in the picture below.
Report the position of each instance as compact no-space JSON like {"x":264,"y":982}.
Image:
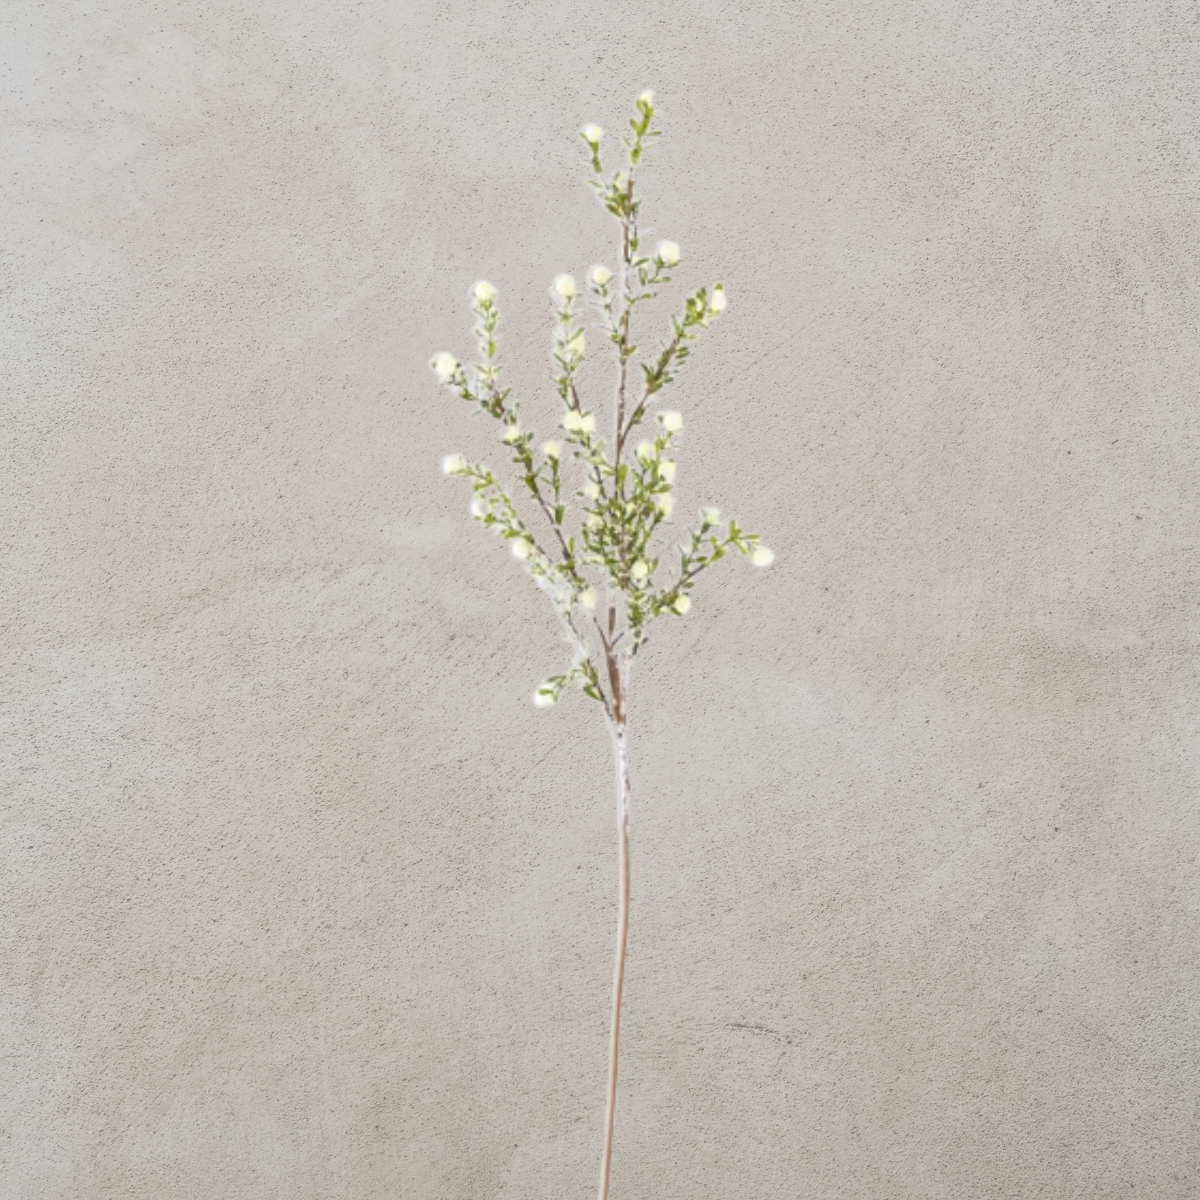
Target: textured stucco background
{"x":302,"y":898}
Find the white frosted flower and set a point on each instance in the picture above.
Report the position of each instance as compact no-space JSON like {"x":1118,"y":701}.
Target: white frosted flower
{"x":577,"y":422}
{"x":564,"y":285}
{"x":638,"y":571}
{"x":711,"y":515}
{"x":552,"y":450}
{"x":672,"y":422}
{"x":682,"y":604}
{"x":445,"y":364}
{"x":668,"y":253}
{"x":455,"y":464}
{"x":665,"y":503}
{"x":521,"y":548}
{"x":666,"y":469}
{"x":599,"y":275}
{"x":645,"y":451}
{"x":594,"y":521}
{"x":646,"y":98}
{"x":544,"y":697}
{"x":592,"y":134}
{"x":512,"y":434}
{"x":479,"y":507}
{"x":762,"y":556}
{"x":483,"y":292}
{"x":717,"y":301}
{"x":591,"y":491}
{"x":588,"y":598}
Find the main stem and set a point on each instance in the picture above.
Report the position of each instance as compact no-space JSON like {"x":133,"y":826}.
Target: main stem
{"x":622,"y":764}
{"x":617,"y":678}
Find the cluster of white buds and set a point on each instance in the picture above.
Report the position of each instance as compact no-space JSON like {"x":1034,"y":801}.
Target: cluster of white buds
{"x":579,"y":423}
{"x":622,"y":503}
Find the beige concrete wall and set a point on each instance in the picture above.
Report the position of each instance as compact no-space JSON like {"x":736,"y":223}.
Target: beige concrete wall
{"x":302,"y":898}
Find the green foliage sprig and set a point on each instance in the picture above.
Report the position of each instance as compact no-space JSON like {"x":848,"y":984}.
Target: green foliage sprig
{"x":600,"y":527}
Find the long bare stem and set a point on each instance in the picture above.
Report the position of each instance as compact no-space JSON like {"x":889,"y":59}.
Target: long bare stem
{"x":622,"y":764}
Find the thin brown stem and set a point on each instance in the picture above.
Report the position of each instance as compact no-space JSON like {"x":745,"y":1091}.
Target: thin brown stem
{"x":617,"y":679}
{"x":622,"y":940}
{"x":626,"y":310}
{"x":568,"y":558}
{"x":664,"y":361}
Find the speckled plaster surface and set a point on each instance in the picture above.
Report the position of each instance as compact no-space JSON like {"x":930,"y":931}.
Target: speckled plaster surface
{"x":303,"y":899}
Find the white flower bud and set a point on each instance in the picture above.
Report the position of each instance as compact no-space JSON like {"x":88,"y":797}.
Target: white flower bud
{"x":577,"y":422}
{"x":594,"y":521}
{"x":668,"y":253}
{"x":588,"y":598}
{"x":479,"y":507}
{"x":666,"y":469}
{"x":711,"y":515}
{"x":455,"y":464}
{"x":512,"y":434}
{"x":646,"y":98}
{"x":599,"y":275}
{"x":591,"y":491}
{"x":762,"y":556}
{"x":638,"y":571}
{"x":665,"y":503}
{"x":716,"y":302}
{"x":445,"y":364}
{"x":544,"y":697}
{"x":683,"y":604}
{"x":576,"y":343}
{"x":564,"y":286}
{"x":645,"y":451}
{"x":552,"y":450}
{"x":672,"y":422}
{"x":592,"y":134}
{"x":521,"y":548}
{"x":483,"y":292}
